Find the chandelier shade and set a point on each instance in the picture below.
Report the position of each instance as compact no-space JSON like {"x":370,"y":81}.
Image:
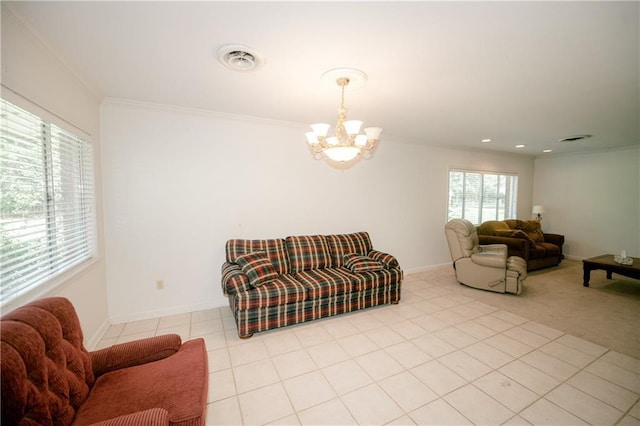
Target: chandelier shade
{"x":348,"y":142}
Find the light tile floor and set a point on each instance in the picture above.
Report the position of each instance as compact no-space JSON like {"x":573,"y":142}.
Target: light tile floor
{"x":438,"y":357}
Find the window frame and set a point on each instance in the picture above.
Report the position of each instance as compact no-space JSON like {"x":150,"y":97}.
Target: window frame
{"x":510,"y":202}
{"x":73,"y":154}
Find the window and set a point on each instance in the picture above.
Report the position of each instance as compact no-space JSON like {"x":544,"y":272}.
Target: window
{"x":480,"y":196}
{"x":47,"y":217}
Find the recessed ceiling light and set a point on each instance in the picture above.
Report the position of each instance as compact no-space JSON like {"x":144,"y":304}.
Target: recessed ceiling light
{"x":241,"y":58}
{"x":485,"y":140}
{"x":547,"y":150}
{"x":520,"y":145}
{"x":573,"y":138}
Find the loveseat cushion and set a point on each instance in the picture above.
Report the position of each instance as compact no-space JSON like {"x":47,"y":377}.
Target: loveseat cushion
{"x":274,"y":248}
{"x":515,"y":233}
{"x":357,"y":263}
{"x":308,"y":252}
{"x":550,"y":249}
{"x":491,"y":226}
{"x":144,"y":387}
{"x":327,"y":282}
{"x":258,"y":267}
{"x":280,"y":291}
{"x":343,"y":244}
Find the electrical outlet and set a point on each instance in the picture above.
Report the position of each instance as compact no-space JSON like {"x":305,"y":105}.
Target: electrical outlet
{"x":160,"y":285}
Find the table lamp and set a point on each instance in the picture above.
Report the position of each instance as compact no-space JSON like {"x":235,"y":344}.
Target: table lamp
{"x":538,"y":210}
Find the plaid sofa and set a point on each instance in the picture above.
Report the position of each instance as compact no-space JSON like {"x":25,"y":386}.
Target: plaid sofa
{"x":278,"y":282}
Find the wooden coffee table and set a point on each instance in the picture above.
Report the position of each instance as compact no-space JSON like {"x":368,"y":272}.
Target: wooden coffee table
{"x":607,"y":263}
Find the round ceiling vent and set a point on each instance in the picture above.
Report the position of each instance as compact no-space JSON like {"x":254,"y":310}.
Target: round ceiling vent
{"x":573,"y":138}
{"x":241,"y":58}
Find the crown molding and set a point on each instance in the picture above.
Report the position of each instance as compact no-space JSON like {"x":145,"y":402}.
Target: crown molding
{"x":143,"y":105}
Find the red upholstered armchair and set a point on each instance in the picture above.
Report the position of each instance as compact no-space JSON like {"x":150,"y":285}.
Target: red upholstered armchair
{"x":49,"y":378}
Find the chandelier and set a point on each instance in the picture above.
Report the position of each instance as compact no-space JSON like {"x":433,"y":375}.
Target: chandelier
{"x":348,"y":142}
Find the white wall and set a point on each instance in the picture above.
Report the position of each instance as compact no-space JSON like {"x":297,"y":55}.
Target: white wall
{"x":178,"y":183}
{"x":593,"y":199}
{"x":38,"y":81}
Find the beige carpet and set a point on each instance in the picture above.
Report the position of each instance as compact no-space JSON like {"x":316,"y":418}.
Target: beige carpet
{"x":606,"y":313}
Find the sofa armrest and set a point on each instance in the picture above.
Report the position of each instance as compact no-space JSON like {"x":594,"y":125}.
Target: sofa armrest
{"x":387,"y":260}
{"x":233,"y":279}
{"x":556,"y":239}
{"x":150,"y":417}
{"x":134,"y":353}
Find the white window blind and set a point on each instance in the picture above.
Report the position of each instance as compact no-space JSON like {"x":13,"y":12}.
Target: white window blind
{"x":482,"y":196}
{"x":47,"y":221}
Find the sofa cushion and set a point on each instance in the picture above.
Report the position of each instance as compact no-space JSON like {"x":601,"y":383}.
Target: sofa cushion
{"x":275,"y":250}
{"x":532,"y":228}
{"x":537,"y":252}
{"x":280,"y":291}
{"x":511,"y":223}
{"x":143,"y":387}
{"x":374,"y":279}
{"x":550,"y":249}
{"x":357,"y":263}
{"x":325,"y":282}
{"x":491,"y":226}
{"x":258,"y":268}
{"x":308,"y":252}
{"x":342,"y":244}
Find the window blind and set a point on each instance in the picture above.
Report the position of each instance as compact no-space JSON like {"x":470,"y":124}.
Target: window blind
{"x":47,"y":221}
{"x":482,"y":196}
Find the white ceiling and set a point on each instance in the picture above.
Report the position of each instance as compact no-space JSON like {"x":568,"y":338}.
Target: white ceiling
{"x":440,"y":73}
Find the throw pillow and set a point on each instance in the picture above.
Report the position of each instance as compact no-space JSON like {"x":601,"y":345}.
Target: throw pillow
{"x":515,"y":233}
{"x":258,"y":268}
{"x":387,"y":260}
{"x":357,"y":263}
{"x":532,"y":228}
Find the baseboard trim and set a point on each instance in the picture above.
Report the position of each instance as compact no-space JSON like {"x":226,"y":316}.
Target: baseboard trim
{"x":156,"y":313}
{"x":426,"y":268}
{"x":97,"y":336}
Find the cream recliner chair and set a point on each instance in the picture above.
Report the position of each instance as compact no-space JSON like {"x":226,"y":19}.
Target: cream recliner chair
{"x":485,"y":267}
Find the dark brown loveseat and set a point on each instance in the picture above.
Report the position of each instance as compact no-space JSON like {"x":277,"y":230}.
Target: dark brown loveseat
{"x":524,"y":238}
{"x":49,"y":378}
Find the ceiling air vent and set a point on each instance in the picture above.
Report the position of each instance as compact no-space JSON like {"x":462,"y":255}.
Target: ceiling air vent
{"x":239,"y":58}
{"x":573,"y":138}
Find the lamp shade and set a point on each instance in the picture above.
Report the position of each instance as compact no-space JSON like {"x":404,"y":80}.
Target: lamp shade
{"x":352,"y":127}
{"x":361,"y":140}
{"x":342,"y":153}
{"x":312,"y":138}
{"x":373,"y":133}
{"x":320,"y":129}
{"x":537,"y":210}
